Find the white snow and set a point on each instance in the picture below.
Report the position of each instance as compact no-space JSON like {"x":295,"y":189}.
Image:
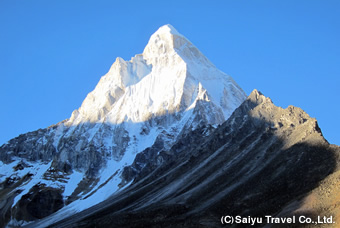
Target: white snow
{"x":72,"y":183}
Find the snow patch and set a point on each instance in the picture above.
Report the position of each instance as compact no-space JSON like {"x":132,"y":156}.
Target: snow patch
{"x":72,"y":183}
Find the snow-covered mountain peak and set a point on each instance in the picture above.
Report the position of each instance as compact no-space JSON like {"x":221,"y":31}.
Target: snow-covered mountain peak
{"x":172,"y":86}
{"x":169,"y":29}
{"x":164,"y":79}
{"x":149,"y":101}
{"x":166,"y":41}
{"x":169,"y":48}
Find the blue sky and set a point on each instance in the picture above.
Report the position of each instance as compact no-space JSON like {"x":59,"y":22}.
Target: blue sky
{"x":53,"y":53}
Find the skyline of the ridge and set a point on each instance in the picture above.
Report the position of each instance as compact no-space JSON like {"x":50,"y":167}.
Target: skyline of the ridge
{"x":53,"y":54}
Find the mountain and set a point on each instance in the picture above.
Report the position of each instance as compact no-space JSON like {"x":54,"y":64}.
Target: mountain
{"x":263,"y":161}
{"x":135,"y":114}
{"x":168,"y":140}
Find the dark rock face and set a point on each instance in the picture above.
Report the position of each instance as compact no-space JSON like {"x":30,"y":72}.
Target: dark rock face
{"x":255,"y":164}
{"x":40,"y":202}
{"x":146,"y":157}
{"x":30,"y":146}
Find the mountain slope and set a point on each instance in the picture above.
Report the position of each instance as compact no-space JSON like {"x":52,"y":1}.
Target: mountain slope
{"x":153,"y":99}
{"x":264,"y":160}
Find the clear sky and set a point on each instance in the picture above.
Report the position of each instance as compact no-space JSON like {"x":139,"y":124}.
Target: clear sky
{"x":53,"y":53}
